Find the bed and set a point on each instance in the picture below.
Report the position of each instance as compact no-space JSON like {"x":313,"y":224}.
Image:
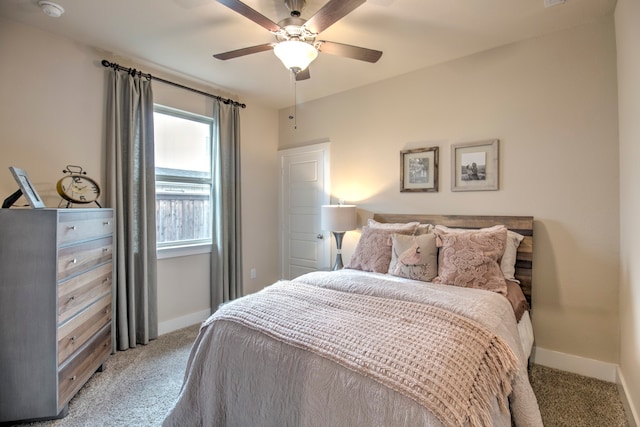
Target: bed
{"x":428,"y":325}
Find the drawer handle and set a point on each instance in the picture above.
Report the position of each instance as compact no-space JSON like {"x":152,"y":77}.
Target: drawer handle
{"x":73,"y":261}
{"x":73,"y":338}
{"x":106,"y":223}
{"x":72,"y":297}
{"x":73,"y":378}
{"x":105,"y":249}
{"x":71,"y":227}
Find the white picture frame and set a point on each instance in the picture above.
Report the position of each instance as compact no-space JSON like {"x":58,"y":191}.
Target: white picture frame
{"x":28,"y":190}
{"x":474,"y":166}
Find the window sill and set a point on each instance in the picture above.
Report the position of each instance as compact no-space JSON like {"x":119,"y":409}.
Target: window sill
{"x":180,"y":251}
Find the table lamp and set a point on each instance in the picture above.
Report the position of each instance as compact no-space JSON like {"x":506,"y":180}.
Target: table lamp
{"x":338,"y":219}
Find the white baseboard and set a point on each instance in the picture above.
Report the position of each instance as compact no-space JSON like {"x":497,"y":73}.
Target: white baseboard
{"x":629,"y":409}
{"x":182,"y":322}
{"x":575,"y":364}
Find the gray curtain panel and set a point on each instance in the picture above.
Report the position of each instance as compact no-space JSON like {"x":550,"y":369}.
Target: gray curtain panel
{"x":226,"y":262}
{"x":131,"y":193}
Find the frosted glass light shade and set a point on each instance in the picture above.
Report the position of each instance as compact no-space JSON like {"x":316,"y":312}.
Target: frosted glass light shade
{"x":338,"y":217}
{"x":295,"y":55}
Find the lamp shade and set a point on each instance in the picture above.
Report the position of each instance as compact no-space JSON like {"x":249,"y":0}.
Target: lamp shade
{"x":295,"y":55}
{"x":338,"y":217}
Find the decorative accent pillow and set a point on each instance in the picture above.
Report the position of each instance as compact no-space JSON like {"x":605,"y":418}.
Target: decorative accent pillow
{"x":414,"y":257}
{"x":373,"y":251}
{"x":470,"y":259}
{"x":508,"y":260}
{"x":517,"y":299}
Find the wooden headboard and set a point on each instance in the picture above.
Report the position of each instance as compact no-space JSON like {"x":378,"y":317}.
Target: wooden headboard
{"x":520,"y":224}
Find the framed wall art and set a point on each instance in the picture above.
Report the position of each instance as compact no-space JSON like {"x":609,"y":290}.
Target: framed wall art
{"x":419,"y":170}
{"x":474,"y":166}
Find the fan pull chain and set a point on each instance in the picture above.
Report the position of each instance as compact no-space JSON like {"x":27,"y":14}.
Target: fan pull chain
{"x":294,"y":116}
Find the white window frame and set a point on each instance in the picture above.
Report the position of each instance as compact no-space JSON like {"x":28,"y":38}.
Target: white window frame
{"x":197,"y":247}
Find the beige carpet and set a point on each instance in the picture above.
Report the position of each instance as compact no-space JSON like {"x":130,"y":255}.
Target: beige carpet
{"x":139,"y":386}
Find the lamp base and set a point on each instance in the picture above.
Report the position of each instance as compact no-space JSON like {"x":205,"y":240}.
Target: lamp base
{"x":338,"y":265}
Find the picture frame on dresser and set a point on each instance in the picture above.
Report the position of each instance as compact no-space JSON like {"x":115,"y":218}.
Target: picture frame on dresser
{"x":25,"y":188}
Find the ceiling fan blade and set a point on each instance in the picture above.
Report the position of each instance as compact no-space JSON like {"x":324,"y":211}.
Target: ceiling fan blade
{"x":330,"y":13}
{"x":244,"y":51}
{"x":255,"y":16}
{"x":349,"y":51}
{"x":303,"y":75}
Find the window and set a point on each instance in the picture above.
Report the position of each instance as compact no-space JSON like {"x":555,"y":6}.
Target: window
{"x":184,"y":183}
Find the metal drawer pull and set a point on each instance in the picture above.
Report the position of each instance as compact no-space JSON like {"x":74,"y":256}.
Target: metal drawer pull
{"x":73,"y":378}
{"x":71,"y":227}
{"x":72,"y":297}
{"x":74,"y":261}
{"x":105,"y":249}
{"x":106,"y":223}
{"x":73,"y":338}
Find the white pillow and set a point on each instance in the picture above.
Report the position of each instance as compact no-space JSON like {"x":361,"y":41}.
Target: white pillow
{"x":403,"y":227}
{"x":508,"y":261}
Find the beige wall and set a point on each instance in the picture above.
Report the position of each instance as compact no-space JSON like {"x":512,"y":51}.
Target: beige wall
{"x":52,"y":114}
{"x":551,"y":101}
{"x":627,"y":17}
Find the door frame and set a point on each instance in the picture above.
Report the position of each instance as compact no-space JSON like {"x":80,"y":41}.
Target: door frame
{"x":325,"y":148}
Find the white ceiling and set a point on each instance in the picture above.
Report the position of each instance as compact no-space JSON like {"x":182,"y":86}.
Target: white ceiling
{"x":182,"y":36}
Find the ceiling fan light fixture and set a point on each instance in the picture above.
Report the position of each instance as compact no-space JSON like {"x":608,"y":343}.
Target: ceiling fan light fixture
{"x":295,"y":55}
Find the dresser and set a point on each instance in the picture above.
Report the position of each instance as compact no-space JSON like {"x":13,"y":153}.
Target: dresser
{"x":56,"y":306}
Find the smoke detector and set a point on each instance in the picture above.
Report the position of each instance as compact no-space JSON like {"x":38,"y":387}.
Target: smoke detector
{"x":550,"y":3}
{"x":51,"y":9}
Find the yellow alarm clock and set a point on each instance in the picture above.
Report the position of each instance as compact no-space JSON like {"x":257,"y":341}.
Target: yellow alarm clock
{"x":77,"y":187}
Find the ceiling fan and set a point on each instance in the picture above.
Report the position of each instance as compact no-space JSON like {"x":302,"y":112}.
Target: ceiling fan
{"x":297,"y":45}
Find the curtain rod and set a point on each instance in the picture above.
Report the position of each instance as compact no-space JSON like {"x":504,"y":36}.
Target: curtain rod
{"x":133,"y":72}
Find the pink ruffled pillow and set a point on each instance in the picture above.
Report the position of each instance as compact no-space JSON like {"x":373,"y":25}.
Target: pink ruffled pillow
{"x":373,"y":252}
{"x":471,"y":259}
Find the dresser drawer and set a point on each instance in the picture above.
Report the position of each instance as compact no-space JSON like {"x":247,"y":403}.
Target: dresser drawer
{"x":80,"y":291}
{"x":79,"y":369}
{"x":78,"y":258}
{"x":77,"y":331}
{"x":77,"y":225}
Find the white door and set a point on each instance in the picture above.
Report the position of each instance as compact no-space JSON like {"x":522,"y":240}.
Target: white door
{"x":304,"y":187}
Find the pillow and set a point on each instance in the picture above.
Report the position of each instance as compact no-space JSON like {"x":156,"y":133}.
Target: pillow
{"x":414,"y":257}
{"x":517,"y":299}
{"x":400,"y":227}
{"x":373,"y":251}
{"x":424,"y":229}
{"x":508,"y":260}
{"x":470,"y":259}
